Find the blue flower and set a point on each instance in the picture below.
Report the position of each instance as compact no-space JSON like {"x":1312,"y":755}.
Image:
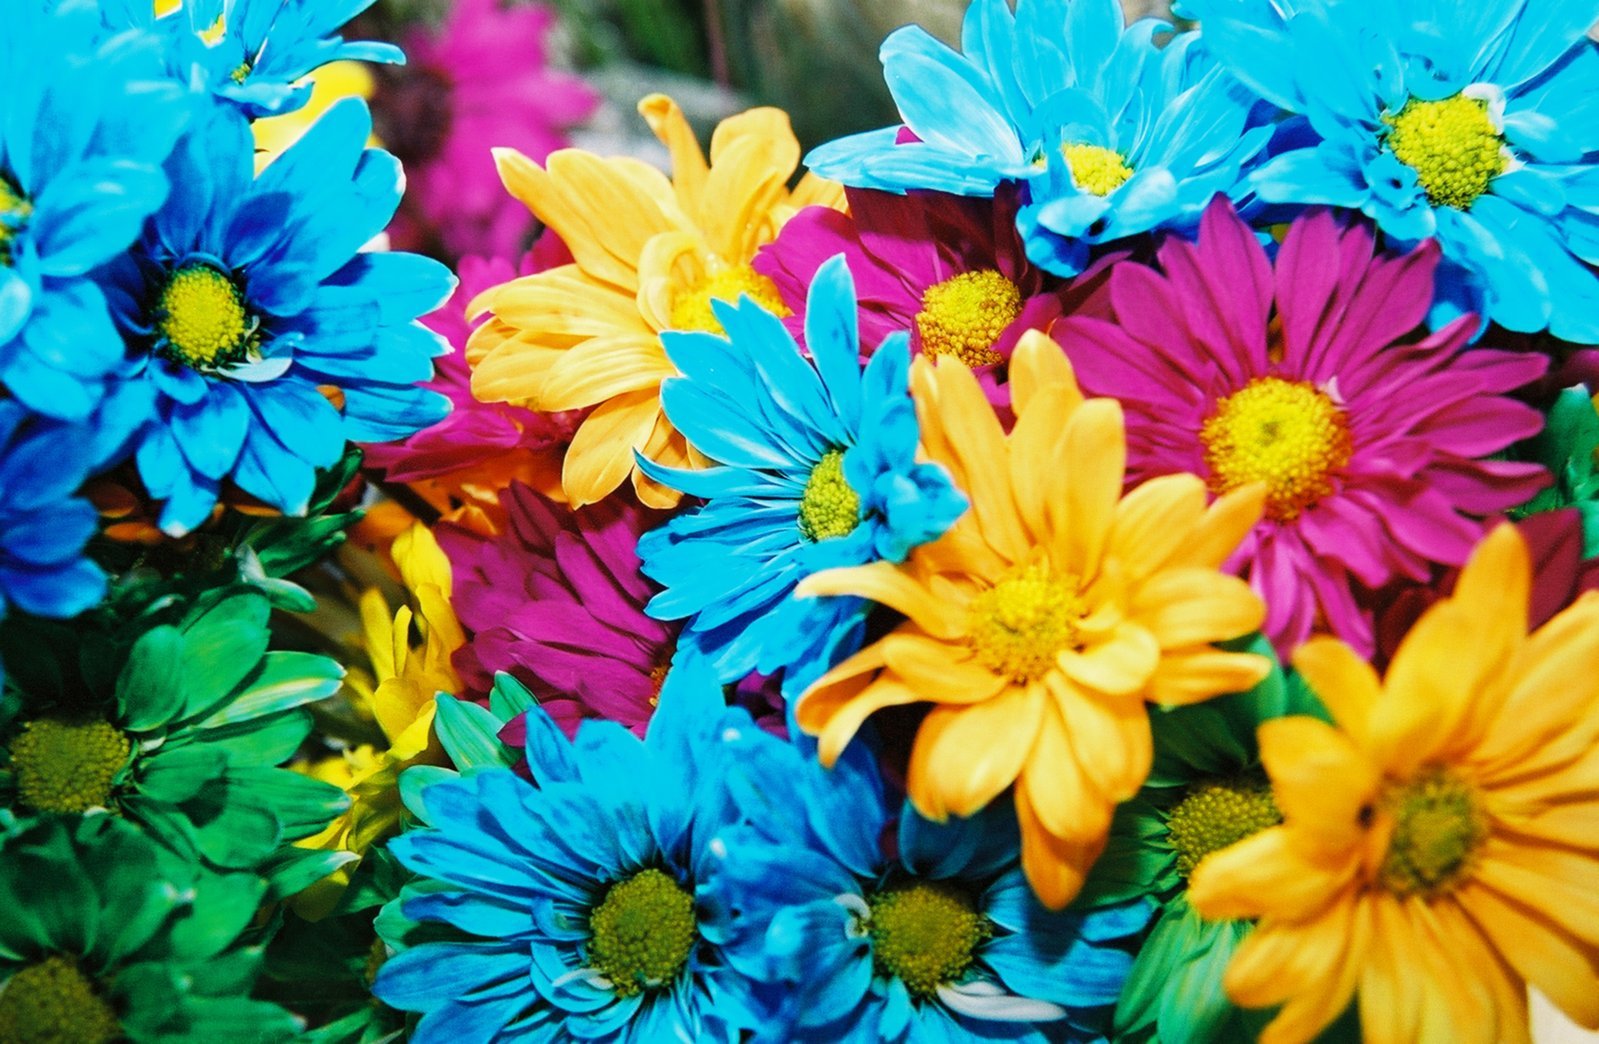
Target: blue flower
{"x":815,"y":469}
{"x":575,"y":896}
{"x":247,"y":294}
{"x":1111,"y":135}
{"x":946,"y":942}
{"x":1473,"y":122}
{"x":84,"y":128}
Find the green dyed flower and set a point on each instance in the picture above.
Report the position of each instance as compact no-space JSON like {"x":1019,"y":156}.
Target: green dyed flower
{"x":1569,"y":447}
{"x":107,"y":936}
{"x":179,"y":730}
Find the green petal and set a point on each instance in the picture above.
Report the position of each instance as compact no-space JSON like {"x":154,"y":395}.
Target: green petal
{"x":268,"y":740}
{"x":175,"y":776}
{"x":223,"y":905}
{"x":150,"y":687}
{"x":301,"y":805}
{"x":238,"y":1018}
{"x":234,"y":834}
{"x":286,"y":680}
{"x":222,"y":646}
{"x":469,"y":734}
{"x":1136,"y":861}
{"x":292,"y":870}
{"x":509,"y":697}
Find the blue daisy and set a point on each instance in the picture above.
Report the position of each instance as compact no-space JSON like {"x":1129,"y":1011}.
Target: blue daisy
{"x":1475,"y":123}
{"x":575,"y":896}
{"x":1111,"y":135}
{"x":84,"y":128}
{"x":946,"y":942}
{"x":247,"y":294}
{"x":815,"y":468}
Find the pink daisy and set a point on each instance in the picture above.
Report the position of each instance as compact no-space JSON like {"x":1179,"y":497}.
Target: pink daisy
{"x":1317,"y":380}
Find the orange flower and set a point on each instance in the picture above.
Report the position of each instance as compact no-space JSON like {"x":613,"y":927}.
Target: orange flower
{"x":1439,"y":848}
{"x":651,"y":254}
{"x":1045,"y":618}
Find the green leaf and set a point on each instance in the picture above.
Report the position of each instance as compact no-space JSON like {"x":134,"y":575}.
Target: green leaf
{"x":286,"y":680}
{"x":469,"y":734}
{"x":509,"y":697}
{"x":223,"y":645}
{"x":150,"y":687}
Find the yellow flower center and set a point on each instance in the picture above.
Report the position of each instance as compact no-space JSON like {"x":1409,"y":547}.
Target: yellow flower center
{"x":202,"y":316}
{"x":1284,"y":433}
{"x":63,"y":766}
{"x":829,"y":507}
{"x":691,"y":309}
{"x":642,"y":932}
{"x":1439,"y":827}
{"x":1452,"y":146}
{"x":15,"y":209}
{"x":924,"y":934}
{"x":1020,"y":626}
{"x":963,"y":316}
{"x":1096,"y":169}
{"x":1218,"y":813}
{"x":51,"y":1002}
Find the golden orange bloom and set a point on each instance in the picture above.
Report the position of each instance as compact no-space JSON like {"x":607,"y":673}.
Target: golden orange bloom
{"x":1045,"y":618}
{"x":651,"y":254}
{"x":1440,"y":847}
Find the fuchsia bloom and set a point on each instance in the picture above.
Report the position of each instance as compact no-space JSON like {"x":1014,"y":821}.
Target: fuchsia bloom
{"x":1315,"y":380}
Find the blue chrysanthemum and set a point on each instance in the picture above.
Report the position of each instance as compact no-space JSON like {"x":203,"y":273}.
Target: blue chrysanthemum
{"x":84,"y":127}
{"x":946,"y":942}
{"x":256,"y":54}
{"x":815,"y":468}
{"x":1110,"y":134}
{"x":576,"y":894}
{"x":247,"y":294}
{"x":1475,"y":123}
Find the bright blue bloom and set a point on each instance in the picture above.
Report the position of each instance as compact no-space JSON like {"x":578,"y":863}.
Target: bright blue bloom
{"x":1110,"y":135}
{"x":816,"y":469}
{"x":84,"y":127}
{"x":248,"y":293}
{"x":808,"y":905}
{"x":1473,"y":122}
{"x":543,"y":878}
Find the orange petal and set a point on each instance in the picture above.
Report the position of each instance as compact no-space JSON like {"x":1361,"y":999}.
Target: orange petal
{"x":1266,"y":875}
{"x":1056,"y":868}
{"x":964,"y":757}
{"x":601,"y":453}
{"x":1311,"y":969}
{"x":1119,"y":666}
{"x":940,"y":672}
{"x":1055,"y":785}
{"x":1343,"y":680}
{"x":1185,"y":677}
{"x":1193,"y":606}
{"x":1155,"y":522}
{"x":1110,"y":739}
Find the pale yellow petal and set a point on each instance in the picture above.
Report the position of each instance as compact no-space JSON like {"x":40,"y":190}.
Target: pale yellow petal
{"x":1039,"y":363}
{"x":602,"y":368}
{"x":601,"y":454}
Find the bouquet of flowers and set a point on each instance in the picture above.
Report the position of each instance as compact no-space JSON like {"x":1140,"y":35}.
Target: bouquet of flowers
{"x":1111,"y":557}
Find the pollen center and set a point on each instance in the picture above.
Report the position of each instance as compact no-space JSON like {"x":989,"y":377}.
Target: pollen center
{"x":1096,"y":169}
{"x":691,"y":308}
{"x":1020,"y":625}
{"x":1284,"y":433}
{"x":1218,"y":813}
{"x":202,"y":316}
{"x":1452,"y":145}
{"x":642,"y":932}
{"x":829,"y":507}
{"x":51,"y":1002}
{"x":63,"y":766}
{"x":924,"y":934}
{"x":15,"y":210}
{"x":964,"y":316}
{"x":1439,"y":827}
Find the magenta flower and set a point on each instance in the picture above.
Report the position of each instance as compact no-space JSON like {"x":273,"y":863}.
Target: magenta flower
{"x":1313,"y":379}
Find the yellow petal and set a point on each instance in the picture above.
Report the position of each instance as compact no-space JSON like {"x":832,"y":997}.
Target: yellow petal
{"x":1325,"y":787}
{"x":601,"y":453}
{"x":1343,"y":680}
{"x":1494,"y":586}
{"x":1552,"y":882}
{"x":964,"y":757}
{"x":1122,"y":665}
{"x":1057,"y":785}
{"x":890,"y":585}
{"x":1155,"y":522}
{"x":978,"y":442}
{"x":1094,"y":461}
{"x":1194,"y":606}
{"x":1110,"y":739}
{"x":940,"y":671}
{"x":689,"y":168}
{"x":1039,"y":363}
{"x":1550,"y":715}
{"x":1223,"y":527}
{"x":1562,"y":967}
{"x":1266,"y":875}
{"x":749,"y":179}
{"x":1310,"y":968}
{"x":1037,"y":447}
{"x":602,"y":368}
{"x":1189,"y":676}
{"x":1055,"y":867}
{"x":1436,"y":675}
{"x":562,"y":302}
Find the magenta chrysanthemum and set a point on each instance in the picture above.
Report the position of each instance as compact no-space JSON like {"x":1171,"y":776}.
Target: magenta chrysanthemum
{"x":1314,"y":378}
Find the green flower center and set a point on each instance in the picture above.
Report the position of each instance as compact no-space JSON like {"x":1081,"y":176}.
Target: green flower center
{"x":925,"y":934}
{"x":963,"y":316}
{"x":1020,"y":626}
{"x":1439,"y":827}
{"x":829,"y":507}
{"x":202,"y":315}
{"x":15,"y":209}
{"x":1218,"y":813}
{"x":642,"y":933}
{"x":691,"y":309}
{"x":1451,"y":145}
{"x":1096,"y":169}
{"x":66,"y":766}
{"x":1287,"y":434}
{"x":51,"y":1002}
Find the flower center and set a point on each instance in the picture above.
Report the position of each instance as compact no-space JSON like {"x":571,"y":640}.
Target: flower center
{"x":963,"y":316}
{"x":1439,"y":826}
{"x":642,"y":932}
{"x":829,"y":507}
{"x":1452,"y":145}
{"x":1096,"y":169}
{"x":924,"y":934}
{"x":202,"y":316}
{"x":51,"y":1002}
{"x":1284,"y":433}
{"x":1218,"y":813}
{"x":691,"y":309}
{"x":64,"y":766}
{"x":1020,"y":625}
{"x":15,"y":209}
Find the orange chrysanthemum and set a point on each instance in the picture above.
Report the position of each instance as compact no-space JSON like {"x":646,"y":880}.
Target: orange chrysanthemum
{"x":1045,"y":618}
{"x":1439,"y":848}
{"x":651,"y":254}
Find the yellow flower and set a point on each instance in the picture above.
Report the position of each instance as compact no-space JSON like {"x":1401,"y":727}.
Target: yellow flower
{"x":1440,"y":847}
{"x":1045,"y":618}
{"x":651,"y":253}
